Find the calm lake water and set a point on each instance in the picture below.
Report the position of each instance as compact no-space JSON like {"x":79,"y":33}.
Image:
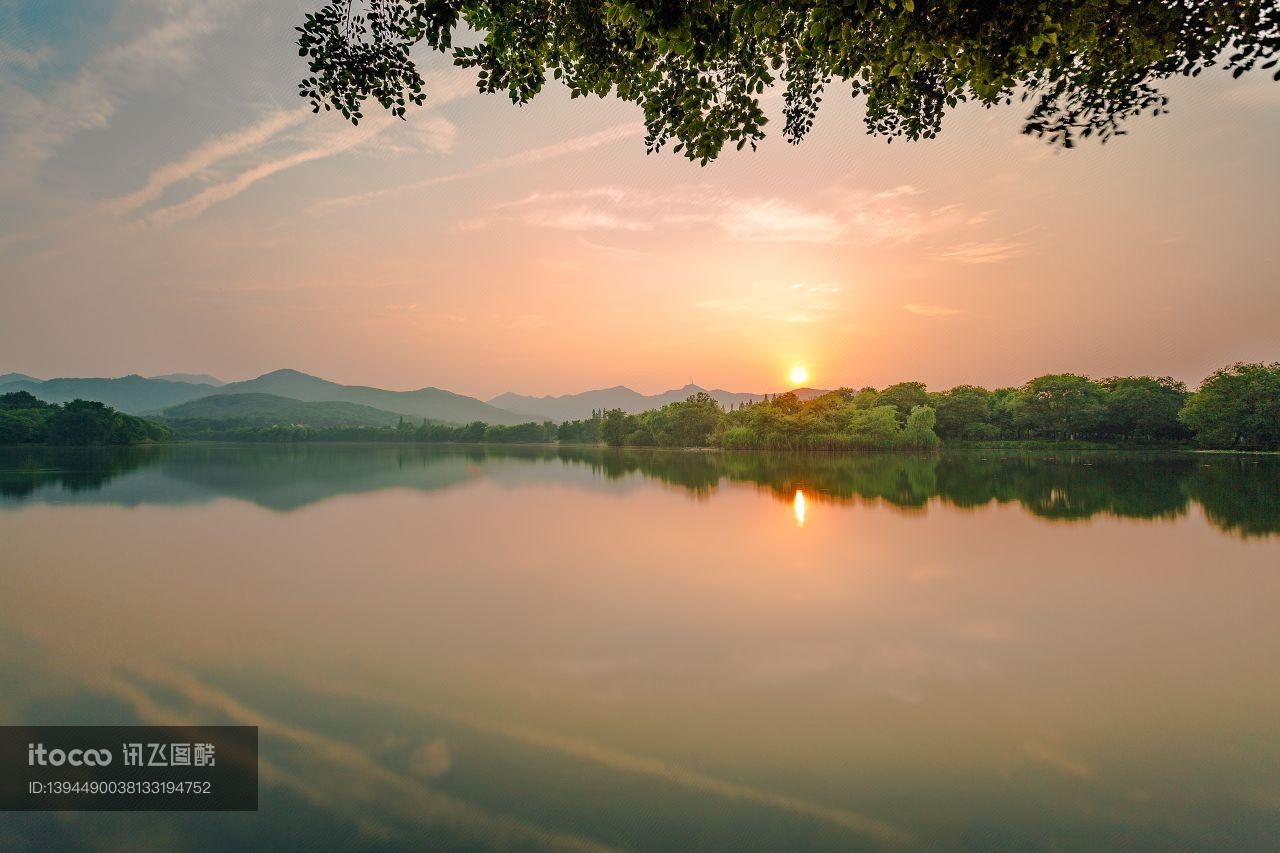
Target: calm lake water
{"x":541,"y":649}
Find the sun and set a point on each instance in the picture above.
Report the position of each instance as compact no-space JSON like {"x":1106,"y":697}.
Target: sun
{"x":799,"y":375}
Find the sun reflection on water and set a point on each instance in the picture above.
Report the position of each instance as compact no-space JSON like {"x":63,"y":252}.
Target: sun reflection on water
{"x":798,"y":505}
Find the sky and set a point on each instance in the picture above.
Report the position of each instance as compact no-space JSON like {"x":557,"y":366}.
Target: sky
{"x":168,"y":203}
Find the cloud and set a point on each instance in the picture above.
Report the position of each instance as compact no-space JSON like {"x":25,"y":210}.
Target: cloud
{"x":983,"y":253}
{"x":27,"y":60}
{"x":432,"y":758}
{"x":318,"y":138}
{"x":568,"y":211}
{"x":797,"y":304}
{"x":201,"y":159}
{"x":564,"y":148}
{"x":90,"y":99}
{"x":586,"y":219}
{"x":1052,"y":756}
{"x":930,"y":310}
{"x":218,"y":193}
{"x":775,"y":220}
{"x":636,"y":209}
{"x":893,"y":216}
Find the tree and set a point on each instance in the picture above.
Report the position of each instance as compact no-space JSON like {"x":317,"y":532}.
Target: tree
{"x":1059,"y":406}
{"x":918,"y":432}
{"x":904,"y":397}
{"x":1143,"y":407}
{"x":962,"y":412}
{"x":22,"y":400}
{"x":689,"y":423}
{"x":698,"y":69}
{"x":1237,"y":406}
{"x":614,"y":429}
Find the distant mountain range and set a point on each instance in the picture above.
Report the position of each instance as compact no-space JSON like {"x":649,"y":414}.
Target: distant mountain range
{"x":140,"y":395}
{"x":432,"y":403}
{"x":193,"y":378}
{"x":136,"y":395}
{"x":260,"y":400}
{"x":570,"y":407}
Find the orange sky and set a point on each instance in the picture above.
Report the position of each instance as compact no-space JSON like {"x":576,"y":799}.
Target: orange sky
{"x":172,"y":207}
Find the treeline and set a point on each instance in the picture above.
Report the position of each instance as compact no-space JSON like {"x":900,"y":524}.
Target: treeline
{"x":1237,"y":407}
{"x":26,"y":419}
{"x":838,"y":420}
{"x":477,"y":432}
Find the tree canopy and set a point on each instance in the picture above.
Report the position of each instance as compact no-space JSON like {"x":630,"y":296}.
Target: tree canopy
{"x":698,"y":68}
{"x":25,"y":419}
{"x":1237,"y":406}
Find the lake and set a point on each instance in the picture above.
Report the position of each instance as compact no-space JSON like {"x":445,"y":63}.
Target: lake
{"x":449,"y":648}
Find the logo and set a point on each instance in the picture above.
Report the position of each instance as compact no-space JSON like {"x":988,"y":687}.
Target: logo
{"x":38,"y":755}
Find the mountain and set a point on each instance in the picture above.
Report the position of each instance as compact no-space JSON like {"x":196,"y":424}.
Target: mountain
{"x":193,"y":378}
{"x":135,"y":395}
{"x":431,"y":403}
{"x":6,"y":378}
{"x":569,"y":407}
{"x":269,"y":410}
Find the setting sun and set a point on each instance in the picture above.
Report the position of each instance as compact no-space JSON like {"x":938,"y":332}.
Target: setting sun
{"x":799,"y":375}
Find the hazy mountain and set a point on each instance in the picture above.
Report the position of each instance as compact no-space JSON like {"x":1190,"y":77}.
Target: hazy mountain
{"x":431,"y":403}
{"x":570,"y":407}
{"x":269,"y":410}
{"x":6,"y":378}
{"x":193,"y":378}
{"x":133,"y":394}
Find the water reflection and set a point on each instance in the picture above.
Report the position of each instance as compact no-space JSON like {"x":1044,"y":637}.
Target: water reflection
{"x":540,"y":648}
{"x":1238,"y":494}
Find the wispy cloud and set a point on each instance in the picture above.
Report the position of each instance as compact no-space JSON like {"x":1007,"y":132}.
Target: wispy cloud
{"x":564,"y":148}
{"x":892,"y":216}
{"x":797,"y":304}
{"x":983,"y":253}
{"x":218,"y":193}
{"x":930,"y":310}
{"x":775,"y":220}
{"x":1052,"y":755}
{"x":91,"y":98}
{"x":206,"y":156}
{"x":27,"y":60}
{"x":283,"y":139}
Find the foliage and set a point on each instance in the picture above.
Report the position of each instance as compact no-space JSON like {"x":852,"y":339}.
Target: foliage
{"x":255,"y":409}
{"x":1237,"y":407}
{"x":904,"y":397}
{"x":1059,"y":406}
{"x":24,"y":419}
{"x":833,"y":421}
{"x":1143,"y":407}
{"x":698,"y":69}
{"x":586,"y":431}
{"x":477,"y":432}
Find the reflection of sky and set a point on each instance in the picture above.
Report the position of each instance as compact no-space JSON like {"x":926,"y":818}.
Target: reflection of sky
{"x":935,"y":673}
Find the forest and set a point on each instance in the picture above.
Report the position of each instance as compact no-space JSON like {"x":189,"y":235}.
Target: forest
{"x":25,"y":419}
{"x":1236,"y":407}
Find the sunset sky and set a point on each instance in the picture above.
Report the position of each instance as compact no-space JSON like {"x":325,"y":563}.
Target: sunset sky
{"x":168,"y":203}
